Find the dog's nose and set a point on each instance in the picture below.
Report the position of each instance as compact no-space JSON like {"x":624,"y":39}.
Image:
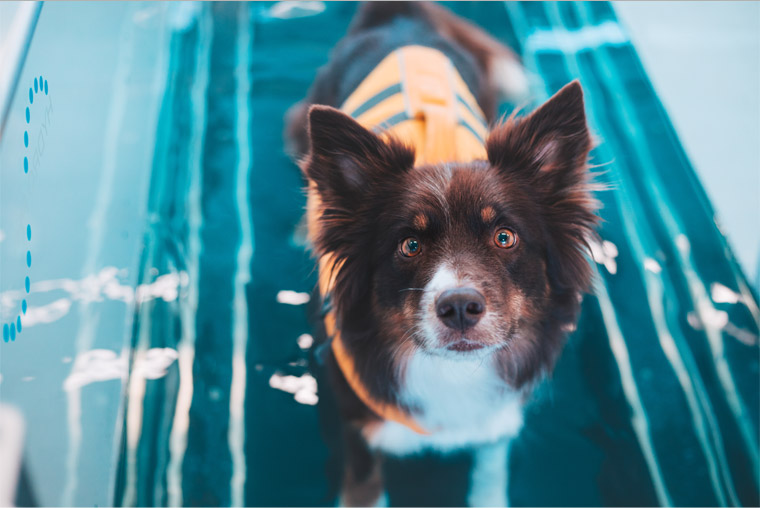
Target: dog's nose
{"x":460,"y":308}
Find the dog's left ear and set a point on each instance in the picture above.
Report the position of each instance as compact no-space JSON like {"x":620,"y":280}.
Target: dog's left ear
{"x":346,"y":160}
{"x":552,"y":143}
{"x":549,"y":148}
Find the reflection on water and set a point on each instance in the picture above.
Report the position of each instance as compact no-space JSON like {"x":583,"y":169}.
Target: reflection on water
{"x":109,"y":284}
{"x":292,"y":297}
{"x":102,"y":365}
{"x":303,"y":388}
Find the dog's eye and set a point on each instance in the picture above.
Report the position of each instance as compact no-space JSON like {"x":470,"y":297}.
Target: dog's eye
{"x":410,"y":247}
{"x":505,"y":238}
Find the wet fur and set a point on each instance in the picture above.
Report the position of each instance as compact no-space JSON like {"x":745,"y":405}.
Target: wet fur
{"x":369,"y":196}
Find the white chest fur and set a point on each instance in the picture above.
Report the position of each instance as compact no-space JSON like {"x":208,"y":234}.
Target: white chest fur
{"x":460,"y":402}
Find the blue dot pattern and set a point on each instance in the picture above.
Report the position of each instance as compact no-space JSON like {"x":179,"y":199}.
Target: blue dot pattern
{"x":11,"y":329}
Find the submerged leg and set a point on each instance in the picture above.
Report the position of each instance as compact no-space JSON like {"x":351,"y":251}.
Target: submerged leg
{"x":488,"y":479}
{"x":362,"y":473}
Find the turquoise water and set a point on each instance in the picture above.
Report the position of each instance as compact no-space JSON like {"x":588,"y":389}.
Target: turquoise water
{"x":165,"y":353}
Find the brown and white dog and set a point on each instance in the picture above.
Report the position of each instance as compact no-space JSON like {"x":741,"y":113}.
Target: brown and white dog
{"x":452,"y":256}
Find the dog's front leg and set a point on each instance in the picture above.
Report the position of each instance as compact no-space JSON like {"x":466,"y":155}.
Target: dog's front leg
{"x":488,"y":480}
{"x":362,"y":472}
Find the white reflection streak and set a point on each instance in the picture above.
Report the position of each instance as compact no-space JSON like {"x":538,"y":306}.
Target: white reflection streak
{"x":305,"y":341}
{"x":103,"y":365}
{"x":289,"y":297}
{"x":93,"y":288}
{"x":136,"y":396}
{"x":722,"y":294}
{"x":180,"y":424}
{"x":73,"y":418}
{"x":236,"y":432}
{"x":304,"y":388}
{"x":652,"y":265}
{"x":47,"y":313}
{"x":95,"y":365}
{"x":604,"y":253}
{"x":12,"y":437}
{"x":713,"y":321}
{"x":573,"y":41}
{"x":638,"y":416}
{"x":295,"y":9}
{"x":198,"y":90}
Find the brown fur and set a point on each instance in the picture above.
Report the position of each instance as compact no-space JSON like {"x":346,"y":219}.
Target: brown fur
{"x":536,"y":173}
{"x":366,"y":196}
{"x":488,"y":214}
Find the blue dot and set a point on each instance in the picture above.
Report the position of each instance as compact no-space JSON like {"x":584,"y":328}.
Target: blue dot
{"x":26,"y":165}
{"x":6,"y":333}
{"x":27,"y":283}
{"x":13,"y":331}
{"x":23,"y":306}
{"x":29,"y":232}
{"x":27,"y":115}
{"x":35,"y":85}
{"x":18,"y":324}
{"x":29,"y":258}
{"x":26,"y":139}
{"x":46,"y":87}
{"x":40,"y":82}
{"x":31,"y":97}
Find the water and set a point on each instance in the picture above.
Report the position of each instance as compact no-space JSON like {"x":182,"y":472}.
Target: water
{"x":165,"y":357}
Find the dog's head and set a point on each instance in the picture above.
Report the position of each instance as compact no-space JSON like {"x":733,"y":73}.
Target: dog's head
{"x":459,"y":259}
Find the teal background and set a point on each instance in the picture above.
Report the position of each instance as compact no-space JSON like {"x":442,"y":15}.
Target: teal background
{"x":654,"y":400}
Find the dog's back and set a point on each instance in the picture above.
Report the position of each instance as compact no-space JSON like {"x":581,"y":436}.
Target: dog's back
{"x":486,"y":66}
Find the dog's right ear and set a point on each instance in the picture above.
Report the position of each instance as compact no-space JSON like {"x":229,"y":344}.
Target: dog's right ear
{"x":345,"y":159}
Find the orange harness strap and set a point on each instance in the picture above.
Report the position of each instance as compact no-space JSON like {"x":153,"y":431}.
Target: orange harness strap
{"x":417,"y":95}
{"x":381,"y":409}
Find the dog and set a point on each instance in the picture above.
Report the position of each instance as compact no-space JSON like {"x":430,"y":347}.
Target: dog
{"x":452,"y":256}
